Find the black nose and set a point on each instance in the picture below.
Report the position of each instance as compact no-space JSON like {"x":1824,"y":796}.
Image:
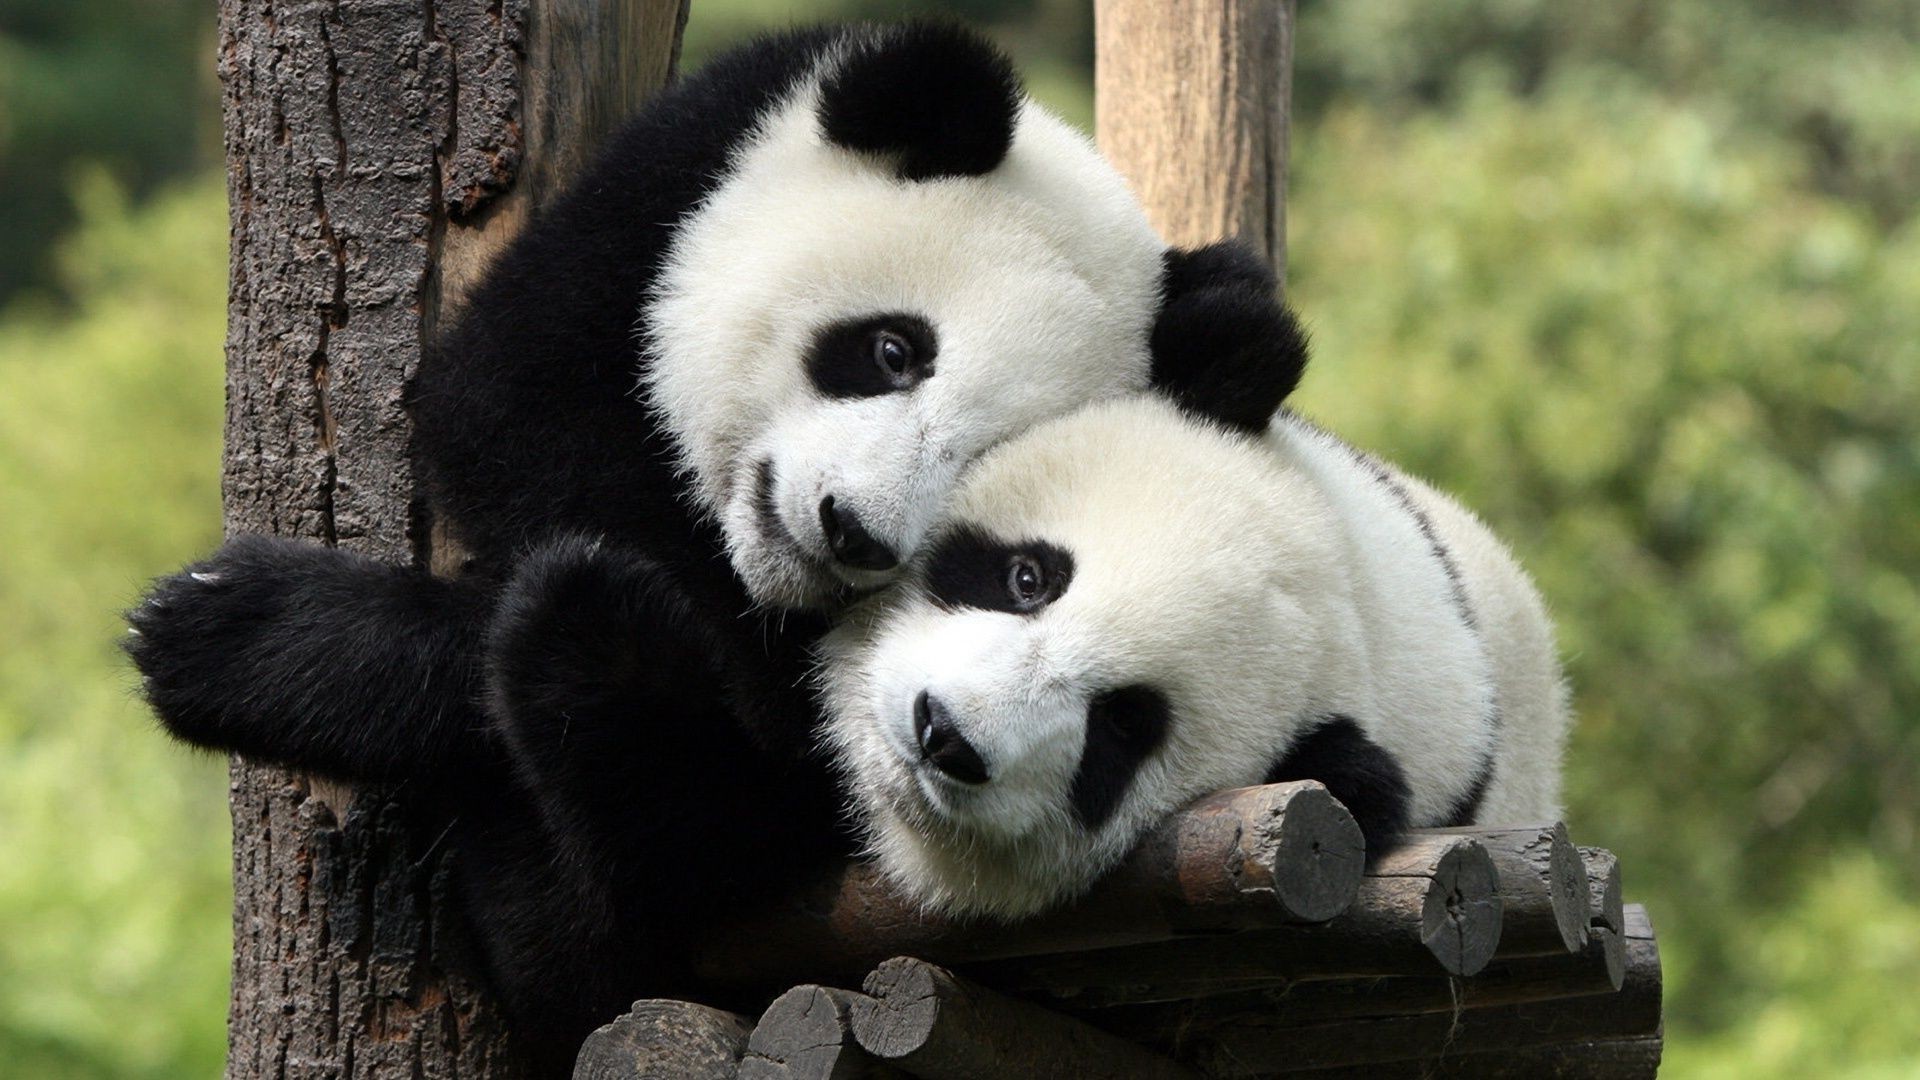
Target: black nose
{"x":942,"y":744}
{"x":851,"y":543}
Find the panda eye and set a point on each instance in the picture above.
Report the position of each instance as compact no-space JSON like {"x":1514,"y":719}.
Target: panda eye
{"x":873,"y":355}
{"x":893,"y":352}
{"x":1026,"y":582}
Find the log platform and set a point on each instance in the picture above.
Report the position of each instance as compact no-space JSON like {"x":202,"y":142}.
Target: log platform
{"x":1249,"y":936}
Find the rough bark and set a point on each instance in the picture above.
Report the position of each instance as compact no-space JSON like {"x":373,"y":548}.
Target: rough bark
{"x":1191,"y":100}
{"x":369,"y":144}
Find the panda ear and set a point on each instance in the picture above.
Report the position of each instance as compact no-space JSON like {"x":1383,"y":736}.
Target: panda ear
{"x":937,"y":98}
{"x":1224,"y":346}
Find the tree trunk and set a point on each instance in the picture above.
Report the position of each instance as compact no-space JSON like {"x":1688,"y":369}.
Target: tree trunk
{"x":1191,"y":100}
{"x":377,"y":152}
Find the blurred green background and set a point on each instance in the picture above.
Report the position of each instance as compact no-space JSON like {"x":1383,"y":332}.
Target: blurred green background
{"x":1641,"y":281}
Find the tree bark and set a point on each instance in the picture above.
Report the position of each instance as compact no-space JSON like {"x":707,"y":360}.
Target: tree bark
{"x":375,"y":150}
{"x":1191,"y":100}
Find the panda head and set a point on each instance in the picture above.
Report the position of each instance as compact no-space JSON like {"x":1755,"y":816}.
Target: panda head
{"x":1119,"y":615}
{"x":906,"y":262}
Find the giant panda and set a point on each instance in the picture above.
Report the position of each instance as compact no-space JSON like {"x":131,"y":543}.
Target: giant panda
{"x":1132,"y":606}
{"x":725,"y":382}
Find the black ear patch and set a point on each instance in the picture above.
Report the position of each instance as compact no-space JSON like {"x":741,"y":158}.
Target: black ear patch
{"x":1357,"y":771}
{"x":1224,"y":346}
{"x":937,"y":98}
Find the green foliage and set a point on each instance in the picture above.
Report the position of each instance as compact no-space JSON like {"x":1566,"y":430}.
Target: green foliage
{"x":1837,"y":78}
{"x":1637,"y":280}
{"x":99,"y":84}
{"x":113,"y":885}
{"x":1687,"y":386}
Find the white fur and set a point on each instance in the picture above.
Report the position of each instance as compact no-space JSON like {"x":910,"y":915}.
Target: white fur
{"x":1262,"y":586}
{"x":1040,"y":280}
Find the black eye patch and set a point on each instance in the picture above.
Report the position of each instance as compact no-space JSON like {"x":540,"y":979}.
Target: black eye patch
{"x":872,"y":355}
{"x":1124,"y":727}
{"x":969,"y":569}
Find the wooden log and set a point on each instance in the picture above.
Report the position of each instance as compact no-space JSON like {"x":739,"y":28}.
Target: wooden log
{"x":1253,"y":857}
{"x":807,"y":1034}
{"x":940,"y":1027}
{"x":1191,"y":100}
{"x":1171,"y":1025}
{"x":1428,"y":907}
{"x":1606,"y":918}
{"x":1258,"y":1047}
{"x":665,"y":1040}
{"x":1634,"y":1058}
{"x":1543,"y":887}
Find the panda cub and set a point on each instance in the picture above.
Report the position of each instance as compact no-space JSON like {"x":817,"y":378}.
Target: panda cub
{"x":1128,"y":608}
{"x":728,"y":377}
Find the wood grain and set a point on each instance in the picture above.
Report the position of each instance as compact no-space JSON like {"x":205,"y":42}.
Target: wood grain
{"x":665,"y":1040}
{"x":1191,"y":102}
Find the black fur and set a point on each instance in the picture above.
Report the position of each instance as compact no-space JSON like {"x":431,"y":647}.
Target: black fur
{"x":1357,"y":771}
{"x":589,"y":705}
{"x":970,"y":569}
{"x":934,"y":97}
{"x":1124,"y":727}
{"x":307,"y":656}
{"x":841,"y":362}
{"x":1224,"y":347}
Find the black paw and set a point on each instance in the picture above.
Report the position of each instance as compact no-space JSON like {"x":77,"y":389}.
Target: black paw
{"x":588,"y":632}
{"x":204,"y":639}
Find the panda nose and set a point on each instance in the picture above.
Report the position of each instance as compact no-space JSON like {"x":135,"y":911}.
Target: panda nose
{"x":851,"y":543}
{"x":942,"y":744}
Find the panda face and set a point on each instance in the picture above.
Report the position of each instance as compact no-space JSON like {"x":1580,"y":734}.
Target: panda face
{"x":831,"y":344}
{"x":1116,"y":619}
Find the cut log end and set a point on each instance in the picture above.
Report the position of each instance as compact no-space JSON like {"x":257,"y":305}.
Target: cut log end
{"x":807,"y":1034}
{"x":1316,"y":857}
{"x":665,"y":1040}
{"x":901,"y":1008}
{"x":1460,"y":918}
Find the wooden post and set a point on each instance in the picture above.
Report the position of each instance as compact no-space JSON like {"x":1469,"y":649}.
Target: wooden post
{"x":1191,"y":101}
{"x":371,"y":149}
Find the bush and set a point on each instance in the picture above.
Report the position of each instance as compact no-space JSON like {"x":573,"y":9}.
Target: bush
{"x":1687,"y":387}
{"x":113,"y":885}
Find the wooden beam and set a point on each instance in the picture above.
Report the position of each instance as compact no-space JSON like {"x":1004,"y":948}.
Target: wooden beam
{"x":1252,"y":857}
{"x":1253,"y":1047}
{"x":1191,"y":100}
{"x":938,"y":1026}
{"x":1543,"y":887}
{"x":1429,"y":907}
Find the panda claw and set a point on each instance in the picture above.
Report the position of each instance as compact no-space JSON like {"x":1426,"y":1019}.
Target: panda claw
{"x":205,"y":577}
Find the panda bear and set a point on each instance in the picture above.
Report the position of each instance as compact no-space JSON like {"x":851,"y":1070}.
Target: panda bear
{"x":726,"y":381}
{"x":1129,"y":608}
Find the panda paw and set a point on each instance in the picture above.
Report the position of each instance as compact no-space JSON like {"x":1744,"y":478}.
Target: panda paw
{"x":585,"y":632}
{"x":207,"y":639}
